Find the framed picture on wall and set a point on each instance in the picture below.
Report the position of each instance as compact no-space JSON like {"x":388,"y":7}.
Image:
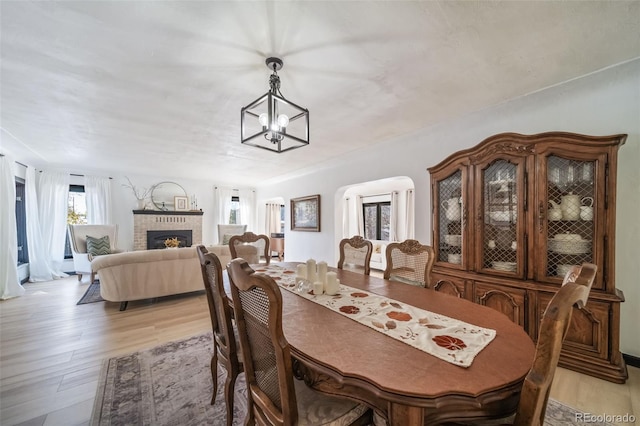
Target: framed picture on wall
{"x":305,"y":213}
{"x":181,"y":204}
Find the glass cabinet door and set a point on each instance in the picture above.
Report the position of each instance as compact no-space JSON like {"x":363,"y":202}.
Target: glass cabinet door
{"x":570,"y":214}
{"x":501,"y":193}
{"x":450,"y":217}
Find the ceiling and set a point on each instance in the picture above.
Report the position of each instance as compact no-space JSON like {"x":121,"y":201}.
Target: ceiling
{"x":157,"y":86}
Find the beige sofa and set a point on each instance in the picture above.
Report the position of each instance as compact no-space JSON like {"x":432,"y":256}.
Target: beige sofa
{"x":146,"y":274}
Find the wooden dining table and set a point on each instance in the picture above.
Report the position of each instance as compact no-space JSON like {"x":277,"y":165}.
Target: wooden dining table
{"x":339,"y":356}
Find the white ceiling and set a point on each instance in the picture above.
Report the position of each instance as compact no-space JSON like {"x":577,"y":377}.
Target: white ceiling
{"x":157,"y":86}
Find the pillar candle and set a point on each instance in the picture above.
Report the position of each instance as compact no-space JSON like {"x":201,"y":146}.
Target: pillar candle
{"x":301,"y":271}
{"x":332,"y":286}
{"x":311,"y":270}
{"x":318,"y":288}
{"x":322,"y":272}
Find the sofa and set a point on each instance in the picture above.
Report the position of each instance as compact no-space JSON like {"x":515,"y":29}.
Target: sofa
{"x":147,"y":274}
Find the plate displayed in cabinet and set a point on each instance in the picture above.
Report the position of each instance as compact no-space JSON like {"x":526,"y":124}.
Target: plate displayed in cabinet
{"x":570,"y":247}
{"x":504,"y":266}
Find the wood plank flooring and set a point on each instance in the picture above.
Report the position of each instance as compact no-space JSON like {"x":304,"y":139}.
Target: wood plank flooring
{"x":52,"y":351}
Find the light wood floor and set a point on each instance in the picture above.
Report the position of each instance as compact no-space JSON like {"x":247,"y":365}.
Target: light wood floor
{"x":52,"y":351}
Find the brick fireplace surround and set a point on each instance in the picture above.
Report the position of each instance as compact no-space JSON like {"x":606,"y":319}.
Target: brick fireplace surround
{"x":155,"y":220}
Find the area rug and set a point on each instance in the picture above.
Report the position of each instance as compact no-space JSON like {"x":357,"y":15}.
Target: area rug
{"x":171,"y":385}
{"x":92,"y":294}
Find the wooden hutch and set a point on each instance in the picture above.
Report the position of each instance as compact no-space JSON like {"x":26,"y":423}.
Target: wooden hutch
{"x":512,"y":214}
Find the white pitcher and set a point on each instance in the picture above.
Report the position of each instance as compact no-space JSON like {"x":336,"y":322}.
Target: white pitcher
{"x":452,"y":208}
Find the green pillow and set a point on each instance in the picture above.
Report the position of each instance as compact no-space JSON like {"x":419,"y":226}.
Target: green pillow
{"x":226,"y":238}
{"x":98,"y":246}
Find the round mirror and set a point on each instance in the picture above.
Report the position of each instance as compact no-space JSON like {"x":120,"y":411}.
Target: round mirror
{"x":163,"y":193}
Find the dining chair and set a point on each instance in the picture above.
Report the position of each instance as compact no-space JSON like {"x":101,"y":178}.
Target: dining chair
{"x":250,"y":247}
{"x":551,"y":333}
{"x":225,"y":348}
{"x":275,"y":397}
{"x":409,"y":262}
{"x":356,"y":251}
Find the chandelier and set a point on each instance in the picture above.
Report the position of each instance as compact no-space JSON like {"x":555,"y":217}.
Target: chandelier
{"x":272,"y":122}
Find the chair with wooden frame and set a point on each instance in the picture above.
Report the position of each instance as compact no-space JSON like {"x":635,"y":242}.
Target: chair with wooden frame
{"x":552,"y":331}
{"x":356,"y":251}
{"x":409,"y":262}
{"x":224,"y":338}
{"x":275,"y":398}
{"x":250,"y":247}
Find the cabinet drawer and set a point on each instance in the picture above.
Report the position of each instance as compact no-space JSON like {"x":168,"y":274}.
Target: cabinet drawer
{"x":510,"y":301}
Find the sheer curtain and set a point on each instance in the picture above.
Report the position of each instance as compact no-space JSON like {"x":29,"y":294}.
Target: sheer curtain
{"x":40,"y":268}
{"x":248,"y":208}
{"x":222,"y":197}
{"x":53,"y":196}
{"x":9,"y":282}
{"x":345,"y":218}
{"x":97,"y":191}
{"x":393,"y":218}
{"x":272,"y":223}
{"x":360,"y":214}
{"x":410,"y":232}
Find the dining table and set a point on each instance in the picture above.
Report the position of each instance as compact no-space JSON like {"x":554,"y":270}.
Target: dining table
{"x":338,"y":356}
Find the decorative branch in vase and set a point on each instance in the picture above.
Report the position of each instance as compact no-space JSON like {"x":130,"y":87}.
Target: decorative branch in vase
{"x":140,"y":194}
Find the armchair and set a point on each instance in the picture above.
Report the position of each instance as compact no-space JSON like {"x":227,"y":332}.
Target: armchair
{"x":78,"y":239}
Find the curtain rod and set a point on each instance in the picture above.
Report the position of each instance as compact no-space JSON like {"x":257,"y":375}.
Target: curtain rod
{"x":17,"y":162}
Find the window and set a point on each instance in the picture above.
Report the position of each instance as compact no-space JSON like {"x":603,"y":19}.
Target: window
{"x":76,"y":213}
{"x":21,"y":222}
{"x":281,"y":218}
{"x":376,"y":220}
{"x":234,"y":217}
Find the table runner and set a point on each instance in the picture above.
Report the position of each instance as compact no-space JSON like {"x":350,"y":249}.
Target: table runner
{"x":446,"y":338}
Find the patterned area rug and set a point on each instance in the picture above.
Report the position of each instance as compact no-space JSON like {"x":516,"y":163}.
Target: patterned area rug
{"x":171,"y":385}
{"x":92,"y":294}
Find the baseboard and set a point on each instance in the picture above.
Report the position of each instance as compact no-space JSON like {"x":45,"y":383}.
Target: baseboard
{"x":631,"y":360}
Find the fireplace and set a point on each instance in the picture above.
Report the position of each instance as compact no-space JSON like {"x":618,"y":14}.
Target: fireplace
{"x":170,"y":224}
{"x":155,"y":239}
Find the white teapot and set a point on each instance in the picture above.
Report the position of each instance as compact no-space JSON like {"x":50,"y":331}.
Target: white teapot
{"x":452,"y":208}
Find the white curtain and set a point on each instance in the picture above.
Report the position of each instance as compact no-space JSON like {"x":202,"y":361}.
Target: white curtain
{"x":222,"y":197}
{"x":345,"y":218}
{"x":393,"y":218}
{"x":9,"y":281}
{"x":248,"y":208}
{"x":272,"y":223}
{"x":410,"y":232}
{"x":360,"y":215}
{"x":53,"y":196}
{"x":40,"y":268}
{"x":97,"y":192}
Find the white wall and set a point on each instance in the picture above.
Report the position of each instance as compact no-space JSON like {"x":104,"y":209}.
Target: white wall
{"x":603,"y":103}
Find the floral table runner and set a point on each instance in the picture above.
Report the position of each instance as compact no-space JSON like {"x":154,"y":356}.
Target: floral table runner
{"x":447,"y":338}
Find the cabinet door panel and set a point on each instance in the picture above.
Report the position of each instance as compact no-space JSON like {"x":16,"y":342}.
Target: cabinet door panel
{"x":589,"y":330}
{"x":450,"y":231}
{"x":571,"y":211}
{"x":448,"y":285}
{"x":510,"y":301}
{"x":500,"y":194}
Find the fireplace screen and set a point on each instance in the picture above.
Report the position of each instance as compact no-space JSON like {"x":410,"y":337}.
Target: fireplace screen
{"x":156,"y":239}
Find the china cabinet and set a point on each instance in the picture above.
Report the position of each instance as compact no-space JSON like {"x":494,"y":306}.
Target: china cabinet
{"x":513,"y":214}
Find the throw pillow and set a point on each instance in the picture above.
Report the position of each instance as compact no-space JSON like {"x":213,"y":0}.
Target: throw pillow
{"x":98,"y":246}
{"x":226,"y":238}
